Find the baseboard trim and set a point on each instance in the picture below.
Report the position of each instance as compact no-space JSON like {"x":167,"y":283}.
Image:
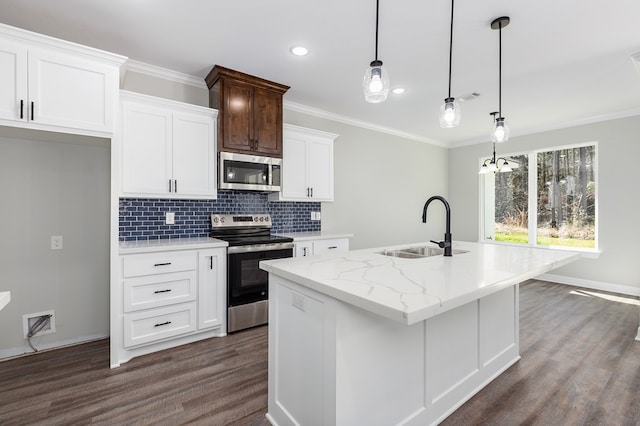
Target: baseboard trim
{"x":595,"y":285}
{"x":6,"y":354}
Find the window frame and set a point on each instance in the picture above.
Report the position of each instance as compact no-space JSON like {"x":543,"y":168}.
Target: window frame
{"x":532,"y":201}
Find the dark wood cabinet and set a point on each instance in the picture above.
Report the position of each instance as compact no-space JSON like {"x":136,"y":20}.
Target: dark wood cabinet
{"x":249,"y":112}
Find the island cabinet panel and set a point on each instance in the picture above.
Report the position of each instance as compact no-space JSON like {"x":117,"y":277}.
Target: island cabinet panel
{"x":250,"y":120}
{"x":332,"y":363}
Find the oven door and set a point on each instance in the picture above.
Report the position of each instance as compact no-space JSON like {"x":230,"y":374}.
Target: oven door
{"x":247,"y":283}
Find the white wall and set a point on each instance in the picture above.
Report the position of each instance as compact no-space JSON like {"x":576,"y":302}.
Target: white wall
{"x":54,"y":184}
{"x":381,"y":184}
{"x":618,"y":200}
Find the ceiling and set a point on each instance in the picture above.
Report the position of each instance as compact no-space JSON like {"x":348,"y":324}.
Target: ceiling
{"x":564,"y":62}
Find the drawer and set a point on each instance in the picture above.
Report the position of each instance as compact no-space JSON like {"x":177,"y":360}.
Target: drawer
{"x":157,"y":324}
{"x":134,"y":265}
{"x":153,"y":291}
{"x":331,"y":245}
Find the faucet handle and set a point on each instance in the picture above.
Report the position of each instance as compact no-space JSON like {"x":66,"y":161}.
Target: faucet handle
{"x":441,"y":244}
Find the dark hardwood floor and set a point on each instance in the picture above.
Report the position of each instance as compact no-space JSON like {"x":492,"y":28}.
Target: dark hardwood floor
{"x":579,"y":366}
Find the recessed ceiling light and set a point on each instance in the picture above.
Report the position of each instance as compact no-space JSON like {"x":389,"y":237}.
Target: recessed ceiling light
{"x":398,"y":90}
{"x":299,"y":50}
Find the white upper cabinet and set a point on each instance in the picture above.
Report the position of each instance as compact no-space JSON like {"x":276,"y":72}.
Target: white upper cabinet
{"x":168,"y":148}
{"x":307,"y":165}
{"x":48,"y":84}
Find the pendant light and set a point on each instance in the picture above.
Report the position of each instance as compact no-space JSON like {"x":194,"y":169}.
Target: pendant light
{"x":450,"y":110}
{"x":493,"y":164}
{"x":376,"y":79}
{"x":500,"y":132}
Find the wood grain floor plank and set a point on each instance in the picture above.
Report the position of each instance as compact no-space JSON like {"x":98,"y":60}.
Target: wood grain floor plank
{"x":579,"y":366}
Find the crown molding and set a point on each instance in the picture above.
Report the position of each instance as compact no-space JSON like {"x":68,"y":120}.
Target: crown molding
{"x":559,"y":126}
{"x":292,"y":106}
{"x":164,"y":73}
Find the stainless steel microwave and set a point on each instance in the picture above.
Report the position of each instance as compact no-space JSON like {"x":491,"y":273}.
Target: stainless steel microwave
{"x":249,"y":172}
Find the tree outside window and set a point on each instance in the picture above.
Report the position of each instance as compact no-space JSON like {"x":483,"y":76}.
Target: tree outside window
{"x":563,"y":196}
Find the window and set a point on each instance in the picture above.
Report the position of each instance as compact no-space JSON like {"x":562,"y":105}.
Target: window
{"x":558,"y":185}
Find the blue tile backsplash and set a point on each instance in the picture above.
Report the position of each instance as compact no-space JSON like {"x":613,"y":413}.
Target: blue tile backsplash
{"x":144,"y":219}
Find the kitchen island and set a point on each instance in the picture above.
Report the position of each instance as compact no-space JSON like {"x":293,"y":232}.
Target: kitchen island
{"x":367,"y":338}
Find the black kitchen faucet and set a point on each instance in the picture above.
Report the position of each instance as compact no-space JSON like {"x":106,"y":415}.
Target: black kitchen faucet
{"x":446,"y":244}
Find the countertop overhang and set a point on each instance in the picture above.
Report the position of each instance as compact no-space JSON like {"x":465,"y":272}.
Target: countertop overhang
{"x":412,"y":290}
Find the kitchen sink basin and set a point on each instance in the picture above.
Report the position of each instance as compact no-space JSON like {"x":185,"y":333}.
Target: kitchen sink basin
{"x":419,"y":252}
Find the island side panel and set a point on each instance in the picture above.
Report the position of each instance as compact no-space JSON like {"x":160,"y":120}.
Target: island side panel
{"x":331,"y":363}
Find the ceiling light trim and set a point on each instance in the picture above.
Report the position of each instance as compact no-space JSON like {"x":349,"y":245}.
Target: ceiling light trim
{"x":292,"y":106}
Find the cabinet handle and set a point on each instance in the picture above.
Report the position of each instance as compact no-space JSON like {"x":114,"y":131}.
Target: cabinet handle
{"x":312,"y":192}
{"x":169,"y":185}
{"x":21,"y":109}
{"x":332,"y":247}
{"x":308,"y":193}
{"x":304,"y":251}
{"x":211,"y":262}
{"x":175,"y":186}
{"x":32,"y":116}
{"x":162,"y":264}
{"x":162,"y":291}
{"x":162,"y":323}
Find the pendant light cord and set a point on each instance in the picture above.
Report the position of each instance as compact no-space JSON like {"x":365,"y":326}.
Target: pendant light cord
{"x":377,"y":14}
{"x":500,"y":70}
{"x":450,"y":47}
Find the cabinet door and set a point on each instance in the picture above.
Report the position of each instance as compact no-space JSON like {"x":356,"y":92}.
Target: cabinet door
{"x":237,"y":125}
{"x":320,"y":169}
{"x":146,"y":149}
{"x":194,"y":165}
{"x":70,"y":91}
{"x":13,"y":81}
{"x":267,"y":113}
{"x":294,"y":167}
{"x":212,"y":285}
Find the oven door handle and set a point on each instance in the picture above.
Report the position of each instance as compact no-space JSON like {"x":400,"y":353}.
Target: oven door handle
{"x":259,"y":247}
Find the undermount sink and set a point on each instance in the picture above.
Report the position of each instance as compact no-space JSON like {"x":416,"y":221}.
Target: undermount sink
{"x":419,"y":252}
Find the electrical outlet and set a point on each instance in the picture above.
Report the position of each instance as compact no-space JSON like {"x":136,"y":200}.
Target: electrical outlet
{"x":297,"y":301}
{"x":56,"y":242}
{"x":47,"y":327}
{"x":170,"y":218}
{"x":315,"y":215}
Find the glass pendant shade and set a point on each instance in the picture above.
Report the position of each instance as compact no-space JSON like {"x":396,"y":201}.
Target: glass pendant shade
{"x":505,"y":167}
{"x":375,"y":83}
{"x":450,"y":113}
{"x":500,"y":131}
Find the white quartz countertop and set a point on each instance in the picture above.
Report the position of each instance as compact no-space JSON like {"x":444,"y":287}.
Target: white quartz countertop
{"x":412,"y":290}
{"x":166,"y":244}
{"x":313,"y":236}
{"x":5,"y":298}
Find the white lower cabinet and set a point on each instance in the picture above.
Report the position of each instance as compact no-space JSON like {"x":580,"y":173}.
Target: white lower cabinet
{"x":320,"y":246}
{"x":169,"y":298}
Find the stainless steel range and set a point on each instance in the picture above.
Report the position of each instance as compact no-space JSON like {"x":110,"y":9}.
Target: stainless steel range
{"x":250,"y":241}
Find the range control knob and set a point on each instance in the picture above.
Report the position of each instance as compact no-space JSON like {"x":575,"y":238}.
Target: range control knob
{"x":216,"y":220}
{"x":266,"y":218}
{"x":222,"y":220}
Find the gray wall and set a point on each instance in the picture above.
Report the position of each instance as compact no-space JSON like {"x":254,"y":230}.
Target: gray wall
{"x":617,"y":192}
{"x":381,"y":184}
{"x":54,"y":185}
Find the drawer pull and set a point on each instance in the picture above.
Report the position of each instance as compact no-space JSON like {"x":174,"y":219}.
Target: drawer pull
{"x":162,"y":323}
{"x":332,"y":247}
{"x":162,"y":291}
{"x":162,"y":264}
